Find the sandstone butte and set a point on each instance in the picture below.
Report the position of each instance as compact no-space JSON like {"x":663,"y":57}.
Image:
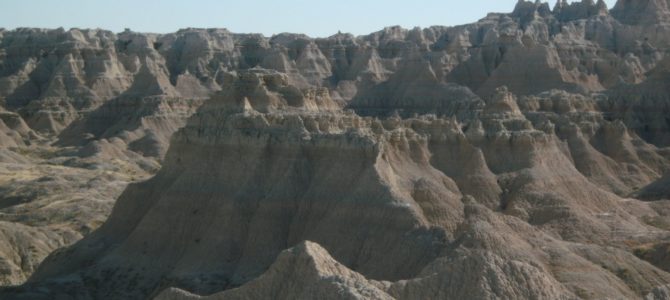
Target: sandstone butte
{"x":524,"y":156}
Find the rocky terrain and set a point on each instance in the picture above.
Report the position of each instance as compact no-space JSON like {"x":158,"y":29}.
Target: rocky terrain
{"x":524,"y":156}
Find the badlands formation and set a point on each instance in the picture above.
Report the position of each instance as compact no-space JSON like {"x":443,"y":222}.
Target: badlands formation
{"x":524,"y":156}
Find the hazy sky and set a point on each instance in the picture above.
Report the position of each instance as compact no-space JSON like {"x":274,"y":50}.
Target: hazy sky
{"x":315,"y":18}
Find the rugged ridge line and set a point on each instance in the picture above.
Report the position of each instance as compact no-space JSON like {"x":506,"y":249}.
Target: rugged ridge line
{"x":522,"y":156}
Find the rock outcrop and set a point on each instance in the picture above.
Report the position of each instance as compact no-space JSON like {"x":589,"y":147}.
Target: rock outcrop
{"x":306,"y":271}
{"x":288,"y":172}
{"x":523,"y":156}
{"x":56,"y":77}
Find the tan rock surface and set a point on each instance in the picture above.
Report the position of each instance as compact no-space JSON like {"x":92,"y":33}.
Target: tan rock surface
{"x":523,"y":156}
{"x":305,"y":271}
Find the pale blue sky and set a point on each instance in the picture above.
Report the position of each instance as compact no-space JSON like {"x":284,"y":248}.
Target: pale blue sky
{"x":315,"y":18}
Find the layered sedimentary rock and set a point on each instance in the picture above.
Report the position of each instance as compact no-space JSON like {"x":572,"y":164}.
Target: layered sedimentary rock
{"x":303,"y":272}
{"x":521,"y":156}
{"x":388,"y":197}
{"x":53,"y":77}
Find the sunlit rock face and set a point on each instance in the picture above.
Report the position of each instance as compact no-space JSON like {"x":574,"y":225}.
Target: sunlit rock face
{"x":523,"y":156}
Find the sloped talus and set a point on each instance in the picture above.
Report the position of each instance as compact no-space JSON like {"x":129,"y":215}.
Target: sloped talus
{"x":305,"y":271}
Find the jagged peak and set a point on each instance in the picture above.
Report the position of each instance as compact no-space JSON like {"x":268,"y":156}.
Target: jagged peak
{"x":602,"y":5}
{"x":584,"y":9}
{"x":502,"y":103}
{"x":560,"y":4}
{"x":527,"y":11}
